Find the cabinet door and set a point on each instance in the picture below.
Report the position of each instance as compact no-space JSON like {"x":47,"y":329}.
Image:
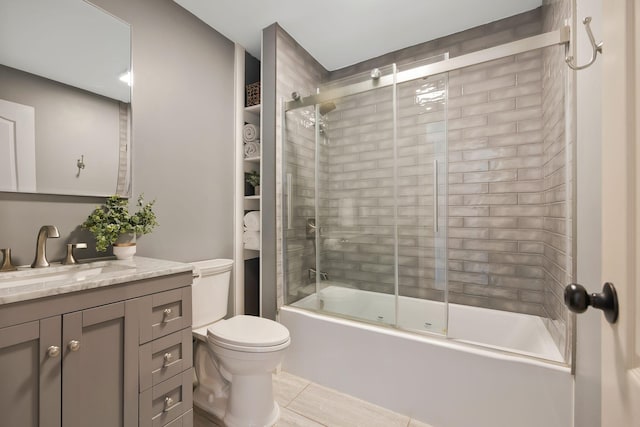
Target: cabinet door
{"x":100,"y":371}
{"x":30,"y":374}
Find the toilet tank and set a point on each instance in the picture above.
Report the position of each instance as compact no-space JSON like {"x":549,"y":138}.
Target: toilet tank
{"x":210,"y":290}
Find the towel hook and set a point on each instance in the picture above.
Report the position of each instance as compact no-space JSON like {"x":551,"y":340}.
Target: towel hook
{"x":597,"y":48}
{"x":80,"y":165}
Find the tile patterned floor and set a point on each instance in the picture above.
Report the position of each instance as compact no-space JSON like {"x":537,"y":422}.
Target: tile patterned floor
{"x":306,"y":404}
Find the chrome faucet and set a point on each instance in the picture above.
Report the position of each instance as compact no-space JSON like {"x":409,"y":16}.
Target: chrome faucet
{"x":46,"y":232}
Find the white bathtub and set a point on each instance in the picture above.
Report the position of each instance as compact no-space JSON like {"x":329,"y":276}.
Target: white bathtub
{"x":444,"y":382}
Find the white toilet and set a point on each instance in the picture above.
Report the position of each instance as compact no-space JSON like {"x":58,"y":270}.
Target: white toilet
{"x":233,"y":358}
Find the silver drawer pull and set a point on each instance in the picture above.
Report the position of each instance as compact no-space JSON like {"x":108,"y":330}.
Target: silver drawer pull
{"x":165,"y":314}
{"x":53,"y":351}
{"x":74,"y":345}
{"x":168,"y":404}
{"x":168,"y":357}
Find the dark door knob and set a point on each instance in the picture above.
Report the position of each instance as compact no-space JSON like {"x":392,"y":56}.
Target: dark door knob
{"x":578,"y":300}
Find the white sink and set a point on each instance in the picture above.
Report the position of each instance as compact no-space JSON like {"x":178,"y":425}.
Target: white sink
{"x":60,"y":274}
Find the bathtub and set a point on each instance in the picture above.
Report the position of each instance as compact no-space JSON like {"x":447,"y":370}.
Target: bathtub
{"x":515,"y":379}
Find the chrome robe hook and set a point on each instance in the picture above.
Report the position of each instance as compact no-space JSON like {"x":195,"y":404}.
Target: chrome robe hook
{"x":597,"y":48}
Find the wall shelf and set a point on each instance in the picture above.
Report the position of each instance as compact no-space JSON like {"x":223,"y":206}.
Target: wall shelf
{"x":248,"y":261}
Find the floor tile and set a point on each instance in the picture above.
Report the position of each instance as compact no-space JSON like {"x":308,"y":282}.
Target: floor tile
{"x":416,"y":423}
{"x":202,"y":419}
{"x":336,"y":409}
{"x":286,"y":387}
{"x":291,"y":419}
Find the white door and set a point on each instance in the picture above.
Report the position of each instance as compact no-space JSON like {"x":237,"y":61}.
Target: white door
{"x":621,"y":211}
{"x":17,"y":147}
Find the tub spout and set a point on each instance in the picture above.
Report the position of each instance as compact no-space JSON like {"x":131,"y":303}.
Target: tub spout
{"x":313,"y":272}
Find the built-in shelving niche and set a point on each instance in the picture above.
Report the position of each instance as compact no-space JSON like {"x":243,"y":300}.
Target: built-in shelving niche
{"x":248,"y":275}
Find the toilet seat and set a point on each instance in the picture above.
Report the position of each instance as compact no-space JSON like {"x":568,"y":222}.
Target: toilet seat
{"x":249,"y":334}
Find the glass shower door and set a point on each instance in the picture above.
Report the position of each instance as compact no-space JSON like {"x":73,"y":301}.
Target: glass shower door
{"x":364,"y":205}
{"x":422,"y":203}
{"x":356,"y":235}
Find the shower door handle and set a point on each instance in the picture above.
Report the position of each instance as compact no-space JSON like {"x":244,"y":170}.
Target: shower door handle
{"x":289,"y":201}
{"x":578,"y":300}
{"x":435,"y":196}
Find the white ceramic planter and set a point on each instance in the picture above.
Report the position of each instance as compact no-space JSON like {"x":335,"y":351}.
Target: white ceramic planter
{"x":124,"y":250}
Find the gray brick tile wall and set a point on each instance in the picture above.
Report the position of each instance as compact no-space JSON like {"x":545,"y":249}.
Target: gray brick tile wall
{"x":508,"y":237}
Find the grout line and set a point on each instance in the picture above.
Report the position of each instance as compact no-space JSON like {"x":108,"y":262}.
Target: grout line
{"x":307,"y":417}
{"x":298,"y":394}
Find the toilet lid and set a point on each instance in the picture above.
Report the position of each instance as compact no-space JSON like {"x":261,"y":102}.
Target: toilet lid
{"x":248,"y":331}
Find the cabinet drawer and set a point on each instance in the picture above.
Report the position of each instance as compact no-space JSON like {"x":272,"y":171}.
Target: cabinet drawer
{"x":186,"y":420}
{"x":166,"y":401}
{"x":165,"y":357}
{"x":165,"y":313}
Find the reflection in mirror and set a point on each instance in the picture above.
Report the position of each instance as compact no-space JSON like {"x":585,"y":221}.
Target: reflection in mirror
{"x":65,"y":117}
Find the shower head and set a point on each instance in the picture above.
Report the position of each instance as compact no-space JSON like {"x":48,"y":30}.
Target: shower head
{"x":326,"y":107}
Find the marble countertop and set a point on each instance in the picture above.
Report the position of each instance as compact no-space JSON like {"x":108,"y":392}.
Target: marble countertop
{"x":30,"y":283}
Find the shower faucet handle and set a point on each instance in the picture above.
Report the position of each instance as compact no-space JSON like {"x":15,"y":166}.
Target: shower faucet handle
{"x":311,"y":228}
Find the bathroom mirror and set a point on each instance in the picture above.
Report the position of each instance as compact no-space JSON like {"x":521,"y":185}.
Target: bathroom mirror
{"x":65,"y":99}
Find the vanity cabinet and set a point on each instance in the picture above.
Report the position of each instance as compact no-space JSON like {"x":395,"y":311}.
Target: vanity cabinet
{"x":30,"y":379}
{"x":83,"y":359}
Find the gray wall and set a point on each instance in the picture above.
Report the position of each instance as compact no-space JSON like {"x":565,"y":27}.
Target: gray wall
{"x":88,"y":126}
{"x":182,"y":143}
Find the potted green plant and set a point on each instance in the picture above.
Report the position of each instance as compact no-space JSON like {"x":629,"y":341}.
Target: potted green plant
{"x":111,"y":224}
{"x":253,"y":179}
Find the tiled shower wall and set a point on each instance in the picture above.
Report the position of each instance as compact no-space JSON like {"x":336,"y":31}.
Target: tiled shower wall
{"x":505,"y":177}
{"x":495,"y":178}
{"x":297,"y":71}
{"x":558,"y":144}
{"x":358,"y":213}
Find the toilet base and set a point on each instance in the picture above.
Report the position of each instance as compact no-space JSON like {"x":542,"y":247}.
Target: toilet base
{"x":251,"y":402}
{"x":214,"y":407}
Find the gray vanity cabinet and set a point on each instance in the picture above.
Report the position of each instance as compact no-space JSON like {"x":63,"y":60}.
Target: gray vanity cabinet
{"x":99,"y":374}
{"x":30,"y":379}
{"x":74,"y":370}
{"x":73,"y":360}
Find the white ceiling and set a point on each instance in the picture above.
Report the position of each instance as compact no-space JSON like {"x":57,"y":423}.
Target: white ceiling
{"x":339,"y":33}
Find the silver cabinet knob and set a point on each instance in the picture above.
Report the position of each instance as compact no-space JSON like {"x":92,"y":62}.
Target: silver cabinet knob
{"x":168,"y":357}
{"x":53,"y":351}
{"x":168,"y":403}
{"x":74,"y":345}
{"x":165,"y":314}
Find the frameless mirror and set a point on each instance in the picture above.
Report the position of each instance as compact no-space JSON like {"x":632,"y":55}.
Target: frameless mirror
{"x":65,"y":98}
